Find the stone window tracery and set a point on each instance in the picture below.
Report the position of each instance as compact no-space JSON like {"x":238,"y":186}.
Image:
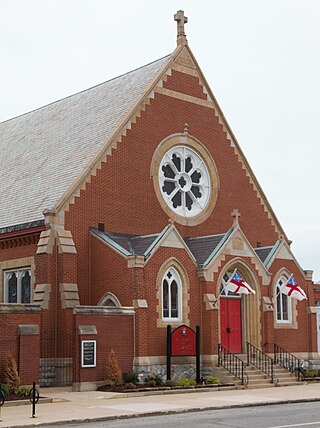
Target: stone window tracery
{"x":171,"y":295}
{"x":283,"y":303}
{"x":184,"y":181}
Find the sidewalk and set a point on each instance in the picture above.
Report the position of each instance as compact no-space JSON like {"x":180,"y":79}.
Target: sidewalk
{"x":95,"y":405}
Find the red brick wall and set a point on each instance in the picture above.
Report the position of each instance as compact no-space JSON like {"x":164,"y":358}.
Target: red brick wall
{"x":24,"y":349}
{"x":113,"y":332}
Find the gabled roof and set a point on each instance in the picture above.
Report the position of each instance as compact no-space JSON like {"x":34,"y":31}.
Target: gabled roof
{"x":204,"y":247}
{"x":129,"y":245}
{"x":44,"y":151}
{"x":49,"y":154}
{"x":266,"y":253}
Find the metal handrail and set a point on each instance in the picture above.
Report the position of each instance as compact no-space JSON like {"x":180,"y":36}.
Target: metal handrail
{"x":233,"y":364}
{"x":262,"y":361}
{"x":288,"y":361}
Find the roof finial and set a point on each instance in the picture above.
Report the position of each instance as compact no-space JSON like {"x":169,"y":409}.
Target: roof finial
{"x":235,"y":214}
{"x":181,"y":20}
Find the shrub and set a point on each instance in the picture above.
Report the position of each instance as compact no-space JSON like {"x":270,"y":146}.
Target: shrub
{"x":4,"y":388}
{"x":130,"y":377}
{"x":157,"y":380}
{"x":151,"y":382}
{"x":211,"y":380}
{"x":23,"y":391}
{"x":129,"y":385}
{"x":311,"y":373}
{"x":187,"y":383}
{"x":171,"y":382}
{"x":113,"y":369}
{"x":11,"y":374}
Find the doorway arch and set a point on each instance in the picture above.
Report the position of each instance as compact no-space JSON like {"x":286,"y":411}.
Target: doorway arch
{"x":240,"y":313}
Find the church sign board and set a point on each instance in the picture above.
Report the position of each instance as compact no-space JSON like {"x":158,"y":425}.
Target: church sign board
{"x":183,"y":342}
{"x":88,"y":353}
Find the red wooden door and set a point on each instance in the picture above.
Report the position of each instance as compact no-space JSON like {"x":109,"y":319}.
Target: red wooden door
{"x":230,"y":324}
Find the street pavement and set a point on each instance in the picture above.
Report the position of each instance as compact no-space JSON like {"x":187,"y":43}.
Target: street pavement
{"x":63,"y":405}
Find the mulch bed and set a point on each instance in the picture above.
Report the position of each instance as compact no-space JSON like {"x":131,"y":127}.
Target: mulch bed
{"x":141,"y":388}
{"x":13,"y":397}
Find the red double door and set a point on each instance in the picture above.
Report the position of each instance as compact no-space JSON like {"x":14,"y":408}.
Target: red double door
{"x":230,"y":324}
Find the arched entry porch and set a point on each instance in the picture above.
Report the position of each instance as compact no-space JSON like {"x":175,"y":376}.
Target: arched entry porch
{"x":239,"y":314}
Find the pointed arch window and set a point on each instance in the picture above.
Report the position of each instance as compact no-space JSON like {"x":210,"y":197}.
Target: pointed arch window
{"x":17,"y":286}
{"x":283,"y":303}
{"x":171,"y":296}
{"x":110,"y":300}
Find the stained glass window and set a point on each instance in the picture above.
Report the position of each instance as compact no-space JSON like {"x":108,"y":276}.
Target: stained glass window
{"x":17,"y":286}
{"x":283,"y":302}
{"x":171,"y":295}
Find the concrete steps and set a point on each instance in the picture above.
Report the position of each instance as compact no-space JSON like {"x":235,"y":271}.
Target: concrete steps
{"x":258,"y":379}
{"x":285,"y":378}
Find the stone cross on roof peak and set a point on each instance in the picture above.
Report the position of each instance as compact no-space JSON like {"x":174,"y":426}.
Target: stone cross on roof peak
{"x":235,"y":214}
{"x":181,"y":20}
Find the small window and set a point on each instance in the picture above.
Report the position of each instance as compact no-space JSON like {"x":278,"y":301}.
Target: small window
{"x":171,"y":296}
{"x":110,"y":300}
{"x":283,"y":303}
{"x":17,"y":286}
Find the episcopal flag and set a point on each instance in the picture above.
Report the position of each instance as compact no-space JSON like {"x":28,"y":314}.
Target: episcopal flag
{"x":237,"y":285}
{"x":292,"y":289}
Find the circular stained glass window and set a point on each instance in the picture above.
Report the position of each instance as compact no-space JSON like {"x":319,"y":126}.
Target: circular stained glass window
{"x":184,"y":181}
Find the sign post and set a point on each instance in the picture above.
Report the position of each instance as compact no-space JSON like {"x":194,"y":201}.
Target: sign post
{"x":169,"y":350}
{"x":183,"y":341}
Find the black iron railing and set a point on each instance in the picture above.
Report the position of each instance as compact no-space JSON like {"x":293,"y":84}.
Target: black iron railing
{"x":284,"y":359}
{"x":233,"y":364}
{"x":261,"y":360}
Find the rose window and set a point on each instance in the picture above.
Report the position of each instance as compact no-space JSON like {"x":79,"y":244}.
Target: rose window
{"x":184,"y":181}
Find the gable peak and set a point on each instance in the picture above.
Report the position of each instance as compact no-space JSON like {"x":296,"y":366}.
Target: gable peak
{"x":181,"y":20}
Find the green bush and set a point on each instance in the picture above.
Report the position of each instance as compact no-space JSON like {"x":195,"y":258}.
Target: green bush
{"x":4,"y":388}
{"x":311,"y":373}
{"x":129,"y":385}
{"x":187,"y":383}
{"x":130,"y":377}
{"x":211,"y":380}
{"x":151,"y":382}
{"x":23,"y":391}
{"x":171,"y":382}
{"x":157,"y":380}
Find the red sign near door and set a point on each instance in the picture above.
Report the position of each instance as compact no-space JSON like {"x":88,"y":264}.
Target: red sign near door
{"x":183,"y":342}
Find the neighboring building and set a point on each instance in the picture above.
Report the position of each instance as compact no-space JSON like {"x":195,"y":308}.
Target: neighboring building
{"x":124,"y":209}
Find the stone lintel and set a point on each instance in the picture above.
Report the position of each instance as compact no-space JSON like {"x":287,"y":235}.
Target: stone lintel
{"x":28,"y":329}
{"x":103,"y":310}
{"x":87,"y":329}
{"x":19,"y":308}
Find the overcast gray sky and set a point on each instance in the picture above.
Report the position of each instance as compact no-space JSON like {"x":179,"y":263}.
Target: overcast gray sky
{"x":261,"y":59}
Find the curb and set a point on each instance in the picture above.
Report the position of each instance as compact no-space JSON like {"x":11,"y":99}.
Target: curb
{"x":26,"y":402}
{"x":169,"y":412}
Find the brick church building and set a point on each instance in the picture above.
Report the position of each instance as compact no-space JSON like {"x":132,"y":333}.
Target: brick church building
{"x":124,"y":209}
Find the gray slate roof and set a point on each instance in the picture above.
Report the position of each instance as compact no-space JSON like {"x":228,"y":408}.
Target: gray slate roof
{"x":43,"y":152}
{"x":128,"y":244}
